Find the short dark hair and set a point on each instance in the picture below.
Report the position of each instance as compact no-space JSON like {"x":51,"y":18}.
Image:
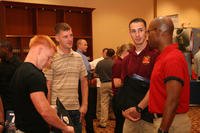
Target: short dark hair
{"x":110,"y":52}
{"x":61,"y":27}
{"x":136,"y":20}
{"x":104,"y":49}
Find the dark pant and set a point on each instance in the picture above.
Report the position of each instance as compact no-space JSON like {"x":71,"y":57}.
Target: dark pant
{"x":91,"y":112}
{"x":119,"y":118}
{"x":75,"y":116}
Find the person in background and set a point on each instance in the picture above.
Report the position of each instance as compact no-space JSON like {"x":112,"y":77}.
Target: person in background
{"x":136,"y":71}
{"x":63,"y":76}
{"x":9,"y":63}
{"x":122,"y":51}
{"x":32,"y":110}
{"x":95,"y":61}
{"x":197,"y":63}
{"x":82,"y":46}
{"x":104,"y":72}
{"x":170,"y":81}
{"x":98,"y":82}
{"x":81,"y":49}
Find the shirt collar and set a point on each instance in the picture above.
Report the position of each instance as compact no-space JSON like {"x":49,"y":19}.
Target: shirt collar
{"x":168,"y":49}
{"x":59,"y":51}
{"x":142,"y":52}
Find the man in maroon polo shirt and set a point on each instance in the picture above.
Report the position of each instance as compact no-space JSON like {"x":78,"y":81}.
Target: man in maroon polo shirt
{"x":139,"y":62}
{"x":169,"y":87}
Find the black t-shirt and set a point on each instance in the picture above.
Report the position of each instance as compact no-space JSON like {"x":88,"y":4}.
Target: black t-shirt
{"x":7,"y":69}
{"x":26,"y":80}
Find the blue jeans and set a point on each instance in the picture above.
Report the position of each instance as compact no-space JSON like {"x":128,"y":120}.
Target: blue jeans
{"x":75,"y":116}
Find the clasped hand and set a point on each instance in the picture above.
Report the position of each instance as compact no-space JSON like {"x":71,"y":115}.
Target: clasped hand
{"x":131,"y":114}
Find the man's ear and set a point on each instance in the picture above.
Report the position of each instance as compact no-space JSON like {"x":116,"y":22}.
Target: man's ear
{"x":56,"y":37}
{"x":39,"y":49}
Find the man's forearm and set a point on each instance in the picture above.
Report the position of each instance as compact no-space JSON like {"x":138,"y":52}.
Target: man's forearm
{"x":52,"y":118}
{"x":44,"y":109}
{"x":144,"y":102}
{"x":84,"y":91}
{"x":169,"y":113}
{"x":173,"y":89}
{"x":49,"y":90}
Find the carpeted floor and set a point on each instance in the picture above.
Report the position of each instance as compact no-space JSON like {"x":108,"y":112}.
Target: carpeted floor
{"x":194,"y":114}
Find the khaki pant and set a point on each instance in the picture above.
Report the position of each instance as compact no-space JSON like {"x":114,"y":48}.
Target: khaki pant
{"x":140,"y":126}
{"x":180,"y":124}
{"x":98,"y":106}
{"x":106,"y":96}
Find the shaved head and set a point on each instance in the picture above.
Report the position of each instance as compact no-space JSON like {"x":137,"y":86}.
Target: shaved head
{"x":164,"y":24}
{"x":160,"y":32}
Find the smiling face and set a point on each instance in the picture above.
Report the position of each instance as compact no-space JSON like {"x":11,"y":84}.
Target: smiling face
{"x":65,"y":39}
{"x":137,"y":32}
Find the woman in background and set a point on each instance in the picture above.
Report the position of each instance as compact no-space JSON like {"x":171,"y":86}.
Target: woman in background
{"x":122,"y":51}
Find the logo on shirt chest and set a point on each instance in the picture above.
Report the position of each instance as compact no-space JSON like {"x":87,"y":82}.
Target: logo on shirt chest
{"x":146,"y":59}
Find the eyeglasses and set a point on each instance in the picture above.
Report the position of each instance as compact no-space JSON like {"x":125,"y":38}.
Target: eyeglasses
{"x":148,"y":31}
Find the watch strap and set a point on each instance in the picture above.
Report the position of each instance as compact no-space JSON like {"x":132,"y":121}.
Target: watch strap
{"x":138,"y":109}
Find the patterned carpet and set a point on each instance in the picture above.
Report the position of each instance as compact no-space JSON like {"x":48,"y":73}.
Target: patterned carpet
{"x":194,"y":114}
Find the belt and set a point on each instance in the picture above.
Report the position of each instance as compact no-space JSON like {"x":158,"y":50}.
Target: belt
{"x":156,"y":115}
{"x":140,"y":78}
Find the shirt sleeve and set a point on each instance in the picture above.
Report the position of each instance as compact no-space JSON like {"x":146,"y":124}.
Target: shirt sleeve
{"x":116,"y":69}
{"x":174,"y":69}
{"x":124,"y":67}
{"x":36,"y":82}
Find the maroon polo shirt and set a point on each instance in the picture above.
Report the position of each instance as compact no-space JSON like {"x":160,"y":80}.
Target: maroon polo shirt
{"x":141,"y":64}
{"x":170,"y":65}
{"x":116,"y":72}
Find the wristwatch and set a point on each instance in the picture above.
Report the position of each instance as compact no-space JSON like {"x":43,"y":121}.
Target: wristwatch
{"x":138,"y":109}
{"x":161,"y":131}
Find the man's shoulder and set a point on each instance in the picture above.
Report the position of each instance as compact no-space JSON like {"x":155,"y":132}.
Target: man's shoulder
{"x":152,"y":52}
{"x":197,"y":55}
{"x":76,"y":54}
{"x":174,"y":55}
{"x":72,"y":54}
{"x":125,"y":59}
{"x":29,"y":67}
